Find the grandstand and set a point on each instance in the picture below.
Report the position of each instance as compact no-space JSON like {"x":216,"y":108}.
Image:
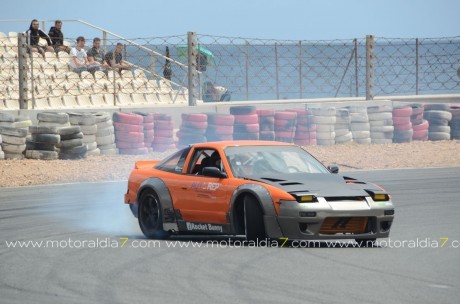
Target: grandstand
{"x":52,"y":85}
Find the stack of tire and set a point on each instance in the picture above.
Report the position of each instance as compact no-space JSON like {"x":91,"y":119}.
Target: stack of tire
{"x":105,"y":135}
{"x":13,"y":142}
{"x":266,"y":124}
{"x":163,"y":132}
{"x":149,"y":132}
{"x":438,"y":116}
{"x":359,"y":125}
{"x":403,"y":131}
{"x":22,"y":122}
{"x":246,"y":126}
{"x":2,"y":154}
{"x":220,"y":127}
{"x":6,"y":120}
{"x":381,"y":123}
{"x":53,"y":119}
{"x":192,"y":130}
{"x":325,"y":119}
{"x":72,"y":145}
{"x":129,"y":133}
{"x":419,"y":125}
{"x":42,"y":143}
{"x":285,"y":126}
{"x":455,"y":122}
{"x":343,"y":134}
{"x":305,"y":131}
{"x":88,"y":125}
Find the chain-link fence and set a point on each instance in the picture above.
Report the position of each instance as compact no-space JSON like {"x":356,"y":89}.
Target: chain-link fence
{"x":248,"y":69}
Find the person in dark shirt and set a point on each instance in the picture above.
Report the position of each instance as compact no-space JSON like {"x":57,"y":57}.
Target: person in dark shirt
{"x":57,"y":37}
{"x":34,"y":33}
{"x":97,"y":56}
{"x":115,"y":59}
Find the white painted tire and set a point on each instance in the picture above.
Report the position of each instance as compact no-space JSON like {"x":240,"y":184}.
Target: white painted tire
{"x":325,"y":128}
{"x":381,"y":135}
{"x":105,"y":140}
{"x":13,"y":140}
{"x":361,"y":134}
{"x":325,"y":135}
{"x":380,"y":116}
{"x":324,"y":120}
{"x":382,"y":129}
{"x":331,"y":111}
{"x":15,"y":149}
{"x":364,"y":126}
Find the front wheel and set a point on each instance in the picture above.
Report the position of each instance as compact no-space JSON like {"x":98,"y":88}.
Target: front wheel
{"x":254,"y":221}
{"x":151,"y":216}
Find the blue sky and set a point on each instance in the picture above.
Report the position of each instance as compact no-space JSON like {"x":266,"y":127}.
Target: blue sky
{"x":280,"y":19}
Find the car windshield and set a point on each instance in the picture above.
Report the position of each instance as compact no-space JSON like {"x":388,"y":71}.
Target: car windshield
{"x":256,"y":161}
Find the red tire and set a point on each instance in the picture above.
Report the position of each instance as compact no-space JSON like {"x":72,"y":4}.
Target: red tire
{"x":163,"y":140}
{"x":401,"y":120}
{"x":305,"y":135}
{"x":311,"y":128}
{"x":298,"y":111}
{"x":195,"y":124}
{"x":164,"y":133}
{"x":127,"y":127}
{"x":419,"y":134}
{"x":162,"y":117}
{"x":194,"y":117}
{"x":137,"y":151}
{"x":247,"y":119}
{"x":128,"y":118}
{"x":285,"y":115}
{"x":285,"y":122}
{"x":402,"y":111}
{"x":129,"y":136}
{"x":130,"y":145}
{"x":423,"y":126}
{"x":220,"y":130}
{"x":285,"y":134}
{"x":148,"y":125}
{"x":148,"y":119}
{"x":265,"y":112}
{"x":304,"y":120}
{"x":164,"y":125}
{"x":221,"y":119}
{"x":403,"y":127}
{"x":417,"y":117}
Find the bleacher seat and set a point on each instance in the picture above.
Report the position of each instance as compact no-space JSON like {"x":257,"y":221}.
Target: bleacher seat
{"x":84,"y":101}
{"x":70,"y":101}
{"x":124,"y":99}
{"x":109,"y":99}
{"x":152,"y":98}
{"x":126,"y":74}
{"x":85,"y":88}
{"x":64,"y":57}
{"x":42,"y":103}
{"x":12,"y":104}
{"x":2,"y":104}
{"x":55,"y":102}
{"x":98,"y":100}
{"x":138,"y":98}
{"x":87,"y":76}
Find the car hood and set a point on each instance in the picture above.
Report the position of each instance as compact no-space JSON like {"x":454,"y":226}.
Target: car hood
{"x":320,"y":184}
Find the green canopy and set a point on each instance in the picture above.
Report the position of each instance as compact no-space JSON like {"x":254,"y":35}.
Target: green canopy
{"x":182,"y":53}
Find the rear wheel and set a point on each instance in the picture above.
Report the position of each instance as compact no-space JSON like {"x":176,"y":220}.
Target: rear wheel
{"x":151,"y":216}
{"x":254,"y":222}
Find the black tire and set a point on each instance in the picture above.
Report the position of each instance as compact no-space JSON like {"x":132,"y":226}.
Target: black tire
{"x":13,"y":131}
{"x":61,"y":118}
{"x":150,"y":216}
{"x":39,"y":146}
{"x":46,"y":138}
{"x":366,"y":242}
{"x":6,"y":117}
{"x":71,"y":143}
{"x":436,"y":114}
{"x":43,"y":130}
{"x":42,"y":155}
{"x":442,"y":129}
{"x":242,"y":110}
{"x":68,"y":130}
{"x":72,"y":136}
{"x":437,"y":107}
{"x":434,"y":136}
{"x":254,"y":221}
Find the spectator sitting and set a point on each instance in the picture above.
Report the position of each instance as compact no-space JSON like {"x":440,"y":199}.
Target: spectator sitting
{"x":57,"y":37}
{"x":118,"y":62}
{"x":33,"y":37}
{"x":214,"y":93}
{"x":78,"y":58}
{"x":96,"y":56}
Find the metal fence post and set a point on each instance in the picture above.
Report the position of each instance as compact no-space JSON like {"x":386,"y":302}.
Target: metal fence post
{"x":192,"y":52}
{"x":104,"y":41}
{"x":277,"y":72}
{"x":356,"y":67}
{"x":416,"y":66}
{"x":369,"y":67}
{"x":22,"y":63}
{"x":300,"y":69}
{"x":247,"y":70}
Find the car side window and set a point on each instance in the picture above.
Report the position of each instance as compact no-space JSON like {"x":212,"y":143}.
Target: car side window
{"x":174,"y":163}
{"x":199,"y":160}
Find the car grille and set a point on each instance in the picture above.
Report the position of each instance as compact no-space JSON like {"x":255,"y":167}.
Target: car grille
{"x":353,"y":225}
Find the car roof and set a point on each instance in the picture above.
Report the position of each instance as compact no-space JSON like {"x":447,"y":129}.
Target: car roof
{"x":244,"y":143}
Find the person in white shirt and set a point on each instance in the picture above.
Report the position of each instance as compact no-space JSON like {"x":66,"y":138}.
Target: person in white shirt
{"x":78,"y":58}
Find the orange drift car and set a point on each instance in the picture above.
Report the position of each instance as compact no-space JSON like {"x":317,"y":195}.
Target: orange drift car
{"x":258,"y":189}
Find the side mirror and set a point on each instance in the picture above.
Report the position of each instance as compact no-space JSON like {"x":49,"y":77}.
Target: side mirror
{"x":333,"y":168}
{"x":213,"y":172}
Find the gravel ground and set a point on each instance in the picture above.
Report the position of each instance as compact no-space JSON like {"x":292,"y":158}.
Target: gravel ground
{"x":348,"y":157}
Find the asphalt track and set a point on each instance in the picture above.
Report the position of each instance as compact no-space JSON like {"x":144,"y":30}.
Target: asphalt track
{"x":428,"y":209}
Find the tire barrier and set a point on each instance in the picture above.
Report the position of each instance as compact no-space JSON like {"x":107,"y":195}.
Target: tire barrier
{"x":285,"y":126}
{"x":305,"y":133}
{"x":381,"y":124}
{"x":6,"y":120}
{"x":22,"y":122}
{"x":88,"y":126}
{"x":2,"y":154}
{"x":53,"y":119}
{"x":13,"y":142}
{"x":419,"y":125}
{"x":455,"y":122}
{"x":403,"y":131}
{"x":359,"y":124}
{"x":42,"y":143}
{"x":246,"y":126}
{"x":325,"y":119}
{"x":220,"y":127}
{"x":266,"y":124}
{"x":129,"y":133}
{"x":192,"y":130}
{"x":105,"y":134}
{"x":72,"y":145}
{"x":163,"y":132}
{"x":438,"y":117}
{"x":343,"y":134}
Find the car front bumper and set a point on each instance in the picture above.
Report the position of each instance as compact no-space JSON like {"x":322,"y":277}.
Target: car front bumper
{"x":326,"y":220}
